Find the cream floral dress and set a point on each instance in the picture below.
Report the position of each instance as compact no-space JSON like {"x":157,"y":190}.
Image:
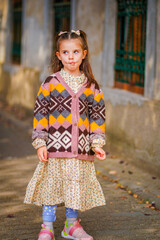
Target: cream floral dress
{"x":67,"y":181}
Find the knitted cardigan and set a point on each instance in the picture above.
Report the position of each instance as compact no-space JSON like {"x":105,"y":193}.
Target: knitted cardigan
{"x":68,"y":121}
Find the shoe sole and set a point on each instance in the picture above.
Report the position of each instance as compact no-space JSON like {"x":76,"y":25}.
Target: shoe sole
{"x":68,"y":236}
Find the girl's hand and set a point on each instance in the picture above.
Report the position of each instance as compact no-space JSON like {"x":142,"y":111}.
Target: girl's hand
{"x":42,"y":154}
{"x":100,"y":153}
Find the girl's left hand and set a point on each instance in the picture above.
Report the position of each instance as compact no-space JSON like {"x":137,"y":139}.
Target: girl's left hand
{"x":100,"y":153}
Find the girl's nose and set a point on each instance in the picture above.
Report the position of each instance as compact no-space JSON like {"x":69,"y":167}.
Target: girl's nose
{"x":71,"y":56}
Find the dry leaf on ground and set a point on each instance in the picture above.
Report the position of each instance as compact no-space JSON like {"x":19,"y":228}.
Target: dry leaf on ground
{"x":112,"y":172}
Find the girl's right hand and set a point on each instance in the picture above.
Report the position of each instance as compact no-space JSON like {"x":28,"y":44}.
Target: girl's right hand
{"x":42,"y":154}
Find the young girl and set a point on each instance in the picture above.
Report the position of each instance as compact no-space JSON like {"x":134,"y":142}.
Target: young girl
{"x":69,"y":129}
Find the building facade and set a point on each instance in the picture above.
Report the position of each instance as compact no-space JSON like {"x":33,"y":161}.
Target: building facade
{"x":123,"y":38}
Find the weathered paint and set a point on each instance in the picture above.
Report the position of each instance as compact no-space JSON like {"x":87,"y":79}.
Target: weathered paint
{"x":35,"y":9}
{"x":19,"y":87}
{"x":3,"y":11}
{"x":135,"y":131}
{"x":157,"y":65}
{"x":90,"y":19}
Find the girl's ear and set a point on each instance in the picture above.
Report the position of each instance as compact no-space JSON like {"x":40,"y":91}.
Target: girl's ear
{"x":58,"y":55}
{"x":84,"y":53}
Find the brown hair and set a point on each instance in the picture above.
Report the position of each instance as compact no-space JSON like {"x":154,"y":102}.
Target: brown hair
{"x":85,"y":66}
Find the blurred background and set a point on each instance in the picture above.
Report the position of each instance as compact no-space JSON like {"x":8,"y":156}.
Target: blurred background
{"x":124,"y":40}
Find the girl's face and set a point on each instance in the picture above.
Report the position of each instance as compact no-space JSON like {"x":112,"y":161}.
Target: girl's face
{"x":71,"y":55}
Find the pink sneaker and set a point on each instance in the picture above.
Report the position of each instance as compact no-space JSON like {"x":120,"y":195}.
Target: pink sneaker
{"x":46,"y":233}
{"x":75,"y":231}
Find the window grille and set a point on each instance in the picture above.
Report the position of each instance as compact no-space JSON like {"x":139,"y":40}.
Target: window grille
{"x":130,"y":45}
{"x":62,"y":11}
{"x":16,"y":31}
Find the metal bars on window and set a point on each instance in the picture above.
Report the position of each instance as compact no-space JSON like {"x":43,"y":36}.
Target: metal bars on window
{"x":16,"y":30}
{"x":62,"y":12}
{"x":130,"y":45}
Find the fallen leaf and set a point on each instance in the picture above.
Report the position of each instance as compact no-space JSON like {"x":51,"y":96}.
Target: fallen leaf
{"x":10,"y":216}
{"x":105,"y":177}
{"x":121,"y":186}
{"x":97,"y":172}
{"x":153,"y":204}
{"x":147,"y":214}
{"x":121,"y":162}
{"x":154,"y":178}
{"x":130,"y":172}
{"x":145,"y":190}
{"x":147,"y":206}
{"x":150,"y":206}
{"x":113,"y":156}
{"x":111,"y":203}
{"x":112,"y":172}
{"x":158,"y":196}
{"x":116,"y":180}
{"x":140,"y":201}
{"x":135,"y":195}
{"x":123,"y":197}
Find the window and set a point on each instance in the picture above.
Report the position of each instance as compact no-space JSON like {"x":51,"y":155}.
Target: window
{"x":62,"y":11}
{"x":16,"y":31}
{"x":130,"y":45}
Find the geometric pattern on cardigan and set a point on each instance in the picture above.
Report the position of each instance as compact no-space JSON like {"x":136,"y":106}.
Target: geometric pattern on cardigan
{"x":61,"y":104}
{"x":70,"y":122}
{"x":41,"y":108}
{"x":98,"y":112}
{"x":84,"y":142}
{"x":59,"y":139}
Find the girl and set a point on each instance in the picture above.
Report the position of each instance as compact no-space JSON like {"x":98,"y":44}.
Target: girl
{"x":69,"y":129}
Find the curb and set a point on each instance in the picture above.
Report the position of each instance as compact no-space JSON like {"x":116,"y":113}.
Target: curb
{"x":141,"y":185}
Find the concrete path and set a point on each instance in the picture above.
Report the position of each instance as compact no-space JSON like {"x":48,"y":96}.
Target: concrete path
{"x":127,"y":214}
{"x":123,"y":217}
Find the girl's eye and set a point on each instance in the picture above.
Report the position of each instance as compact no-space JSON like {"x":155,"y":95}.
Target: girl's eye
{"x":65,"y":52}
{"x":76,"y":51}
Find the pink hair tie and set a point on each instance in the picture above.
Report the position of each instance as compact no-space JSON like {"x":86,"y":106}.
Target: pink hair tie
{"x":76,"y":32}
{"x":60,"y":33}
{"x":72,"y":31}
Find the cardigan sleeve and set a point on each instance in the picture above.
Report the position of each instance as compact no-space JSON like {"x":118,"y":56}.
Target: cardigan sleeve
{"x":41,"y":116}
{"x":97,"y":120}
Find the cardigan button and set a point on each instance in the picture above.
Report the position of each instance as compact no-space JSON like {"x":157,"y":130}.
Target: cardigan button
{"x":74,"y":152}
{"x":74,"y":96}
{"x":75,"y":124}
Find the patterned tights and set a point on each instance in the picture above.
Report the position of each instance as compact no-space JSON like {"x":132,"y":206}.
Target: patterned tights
{"x":49,"y":213}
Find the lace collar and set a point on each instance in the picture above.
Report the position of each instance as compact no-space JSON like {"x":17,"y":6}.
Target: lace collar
{"x":70,"y":78}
